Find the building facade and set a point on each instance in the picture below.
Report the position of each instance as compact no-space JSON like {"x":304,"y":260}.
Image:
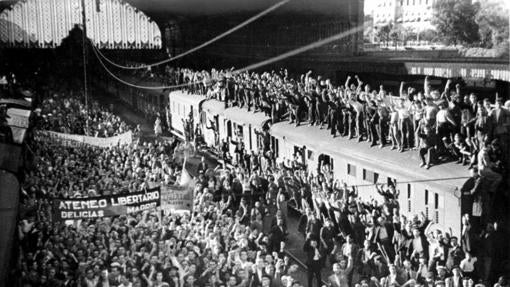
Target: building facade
{"x":414,"y":14}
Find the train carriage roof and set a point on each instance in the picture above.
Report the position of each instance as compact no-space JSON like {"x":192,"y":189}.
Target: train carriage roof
{"x":404,"y":165}
{"x":185,"y":98}
{"x":213,"y":106}
{"x":242,"y":116}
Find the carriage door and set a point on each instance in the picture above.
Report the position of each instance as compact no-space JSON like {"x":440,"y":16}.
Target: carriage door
{"x":299,"y":155}
{"x":275,"y":147}
{"x":325,"y":163}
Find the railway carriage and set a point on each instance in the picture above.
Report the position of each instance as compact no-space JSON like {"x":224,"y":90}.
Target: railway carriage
{"x":182,"y":106}
{"x":433,"y":191}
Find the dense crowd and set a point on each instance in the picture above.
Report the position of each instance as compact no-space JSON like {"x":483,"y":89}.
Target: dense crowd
{"x":441,"y":124}
{"x":69,"y":113}
{"x":237,"y":231}
{"x":210,"y":248}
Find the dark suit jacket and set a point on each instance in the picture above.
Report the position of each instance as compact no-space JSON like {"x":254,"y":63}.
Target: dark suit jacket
{"x":310,"y":253}
{"x":256,"y":280}
{"x":277,"y":236}
{"x":202,"y":166}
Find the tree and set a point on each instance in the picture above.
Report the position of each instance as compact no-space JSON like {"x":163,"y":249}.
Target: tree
{"x":395,"y":35}
{"x":428,"y":35}
{"x":455,"y":21}
{"x":492,"y":20}
{"x":409,"y":34}
{"x":383,"y":33}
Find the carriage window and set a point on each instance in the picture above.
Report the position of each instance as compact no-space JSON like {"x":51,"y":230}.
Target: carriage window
{"x":229,"y":129}
{"x":276,"y":147}
{"x":391,"y":181}
{"x":250,"y":137}
{"x":351,"y":169}
{"x":370,"y":176}
{"x":203,"y":118}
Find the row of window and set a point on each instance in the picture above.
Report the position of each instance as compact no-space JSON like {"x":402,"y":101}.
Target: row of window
{"x":406,"y":2}
{"x":373,"y":177}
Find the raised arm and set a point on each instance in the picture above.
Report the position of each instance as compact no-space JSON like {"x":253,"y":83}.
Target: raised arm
{"x":347,"y":82}
{"x":426,"y":86}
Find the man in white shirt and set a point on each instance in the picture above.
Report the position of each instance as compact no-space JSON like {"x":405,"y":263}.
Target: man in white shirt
{"x":467,"y":265}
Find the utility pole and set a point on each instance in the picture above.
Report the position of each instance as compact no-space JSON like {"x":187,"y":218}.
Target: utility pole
{"x":84,"y":55}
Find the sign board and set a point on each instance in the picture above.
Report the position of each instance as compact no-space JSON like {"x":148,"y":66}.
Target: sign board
{"x":105,"y":206}
{"x":176,"y":199}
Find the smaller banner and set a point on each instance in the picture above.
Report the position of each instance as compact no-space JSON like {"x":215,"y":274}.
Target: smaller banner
{"x":105,"y":206}
{"x":176,"y":199}
{"x":80,"y":140}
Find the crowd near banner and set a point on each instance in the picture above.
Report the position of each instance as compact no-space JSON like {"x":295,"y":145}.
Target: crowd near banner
{"x":176,"y":199}
{"x":105,"y":206}
{"x":80,"y":140}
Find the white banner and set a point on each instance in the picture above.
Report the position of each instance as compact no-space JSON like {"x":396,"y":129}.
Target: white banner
{"x":77,"y":140}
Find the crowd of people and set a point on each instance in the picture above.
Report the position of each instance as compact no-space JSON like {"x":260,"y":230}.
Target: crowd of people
{"x":68,"y":113}
{"x":441,"y":125}
{"x":237,"y":231}
{"x":210,"y":248}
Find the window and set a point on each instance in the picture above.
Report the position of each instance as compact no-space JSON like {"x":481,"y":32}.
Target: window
{"x":408,"y":191}
{"x":251,"y":138}
{"x":203,"y":118}
{"x":229,"y":129}
{"x":409,"y":206}
{"x":426,"y":197}
{"x":437,"y":216}
{"x":351,"y":169}
{"x":370,"y":176}
{"x":436,"y":201}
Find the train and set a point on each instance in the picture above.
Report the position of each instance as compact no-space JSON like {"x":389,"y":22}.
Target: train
{"x":434,"y":191}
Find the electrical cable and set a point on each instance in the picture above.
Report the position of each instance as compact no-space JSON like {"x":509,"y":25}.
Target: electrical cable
{"x":247,"y":68}
{"x":205,"y":44}
{"x":134,"y":85}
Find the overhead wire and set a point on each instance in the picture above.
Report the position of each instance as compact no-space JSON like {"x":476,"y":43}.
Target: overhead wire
{"x":205,"y":44}
{"x":247,"y":68}
{"x":134,"y":85}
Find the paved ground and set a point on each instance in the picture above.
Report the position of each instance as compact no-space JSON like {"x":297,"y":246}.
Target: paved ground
{"x":295,"y":239}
